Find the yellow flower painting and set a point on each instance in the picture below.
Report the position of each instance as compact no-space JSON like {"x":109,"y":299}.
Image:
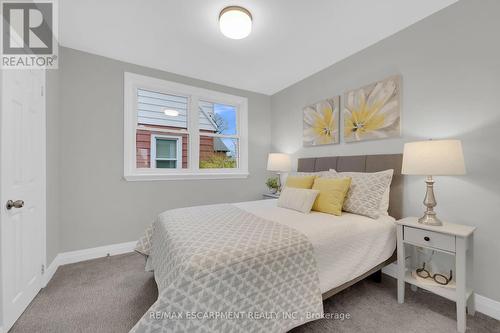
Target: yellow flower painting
{"x":373,"y":112}
{"x":321,"y":122}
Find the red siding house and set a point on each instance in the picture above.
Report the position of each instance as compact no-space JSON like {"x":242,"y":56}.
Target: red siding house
{"x":161,"y":138}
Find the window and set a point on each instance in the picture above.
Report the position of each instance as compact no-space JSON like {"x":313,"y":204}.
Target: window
{"x":160,"y":117}
{"x":175,"y":131}
{"x":166,"y":152}
{"x":218,"y":136}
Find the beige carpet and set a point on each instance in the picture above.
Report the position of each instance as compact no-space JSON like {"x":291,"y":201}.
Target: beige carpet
{"x":111,"y":294}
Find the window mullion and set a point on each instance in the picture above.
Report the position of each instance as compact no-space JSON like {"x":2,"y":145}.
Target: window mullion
{"x":193,"y":134}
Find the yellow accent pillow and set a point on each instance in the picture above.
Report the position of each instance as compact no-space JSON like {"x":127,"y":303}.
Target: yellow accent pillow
{"x":332,"y":193}
{"x":300,"y":181}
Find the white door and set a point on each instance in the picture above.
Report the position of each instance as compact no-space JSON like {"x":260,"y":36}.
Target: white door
{"x":22,"y":181}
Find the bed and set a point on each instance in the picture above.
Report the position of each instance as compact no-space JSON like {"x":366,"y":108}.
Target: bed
{"x":255,"y":267}
{"x":345,"y":247}
{"x":363,"y":163}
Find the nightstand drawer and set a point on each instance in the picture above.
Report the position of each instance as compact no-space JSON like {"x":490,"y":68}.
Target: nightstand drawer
{"x":428,"y":238}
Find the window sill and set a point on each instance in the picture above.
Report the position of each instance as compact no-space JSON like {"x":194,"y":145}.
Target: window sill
{"x":184,"y":176}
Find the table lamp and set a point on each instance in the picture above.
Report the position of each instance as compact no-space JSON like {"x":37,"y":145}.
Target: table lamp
{"x":278,"y":162}
{"x":433,"y":158}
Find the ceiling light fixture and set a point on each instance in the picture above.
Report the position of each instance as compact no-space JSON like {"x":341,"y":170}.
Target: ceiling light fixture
{"x":235,"y":22}
{"x":171,"y":113}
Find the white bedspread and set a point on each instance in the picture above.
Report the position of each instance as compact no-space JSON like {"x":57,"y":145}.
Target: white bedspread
{"x":344,"y":246}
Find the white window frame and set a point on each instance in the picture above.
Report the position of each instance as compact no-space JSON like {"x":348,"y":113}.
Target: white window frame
{"x":178,"y":148}
{"x":132,"y":82}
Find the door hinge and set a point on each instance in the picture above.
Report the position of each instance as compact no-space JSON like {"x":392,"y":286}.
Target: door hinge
{"x":41,"y":91}
{"x":43,"y":269}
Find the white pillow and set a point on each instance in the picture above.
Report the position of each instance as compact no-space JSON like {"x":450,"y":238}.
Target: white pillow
{"x":298,"y":199}
{"x":384,"y":204}
{"x":369,"y":192}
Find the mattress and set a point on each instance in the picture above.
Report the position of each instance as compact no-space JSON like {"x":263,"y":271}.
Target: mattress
{"x":345,"y":247}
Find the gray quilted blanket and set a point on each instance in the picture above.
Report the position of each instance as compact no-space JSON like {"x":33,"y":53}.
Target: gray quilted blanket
{"x":222,"y":269}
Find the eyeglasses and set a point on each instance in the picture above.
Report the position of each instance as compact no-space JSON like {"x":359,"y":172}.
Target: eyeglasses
{"x":438,"y":278}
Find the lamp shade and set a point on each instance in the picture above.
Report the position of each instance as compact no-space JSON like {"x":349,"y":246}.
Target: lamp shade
{"x":278,"y":162}
{"x":433,"y":158}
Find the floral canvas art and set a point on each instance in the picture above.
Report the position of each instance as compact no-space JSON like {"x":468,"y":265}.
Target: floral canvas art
{"x":321,"y":122}
{"x":373,"y":111}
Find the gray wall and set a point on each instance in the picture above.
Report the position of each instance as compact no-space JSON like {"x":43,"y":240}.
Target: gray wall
{"x":450,"y":63}
{"x":53,"y":161}
{"x":97,"y":207}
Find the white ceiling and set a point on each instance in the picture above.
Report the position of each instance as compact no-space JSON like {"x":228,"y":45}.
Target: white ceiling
{"x":291,"y":39}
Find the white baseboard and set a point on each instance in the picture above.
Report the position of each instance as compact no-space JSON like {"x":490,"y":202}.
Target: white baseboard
{"x":93,"y":253}
{"x":391,"y":270}
{"x":86,"y":254}
{"x":50,"y":270}
{"x":488,"y":306}
{"x":484,"y":305}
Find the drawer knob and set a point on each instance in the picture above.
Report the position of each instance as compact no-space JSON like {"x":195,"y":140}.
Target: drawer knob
{"x":426,"y":238}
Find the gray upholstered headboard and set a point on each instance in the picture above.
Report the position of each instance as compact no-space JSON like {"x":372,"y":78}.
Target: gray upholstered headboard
{"x":363,"y":163}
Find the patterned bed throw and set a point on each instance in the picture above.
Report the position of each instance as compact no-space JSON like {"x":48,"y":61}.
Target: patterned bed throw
{"x":222,"y":269}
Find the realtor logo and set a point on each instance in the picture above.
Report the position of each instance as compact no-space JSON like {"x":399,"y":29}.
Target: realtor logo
{"x":28,"y":39}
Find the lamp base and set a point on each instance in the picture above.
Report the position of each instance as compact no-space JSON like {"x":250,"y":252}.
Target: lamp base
{"x":430,"y":219}
{"x":278,"y":192}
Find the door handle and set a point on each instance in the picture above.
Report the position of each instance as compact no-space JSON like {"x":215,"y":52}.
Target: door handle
{"x":14,"y":204}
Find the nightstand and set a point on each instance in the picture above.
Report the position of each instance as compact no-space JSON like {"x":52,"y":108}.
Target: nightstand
{"x":453,"y":239}
{"x":270,"y":196}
